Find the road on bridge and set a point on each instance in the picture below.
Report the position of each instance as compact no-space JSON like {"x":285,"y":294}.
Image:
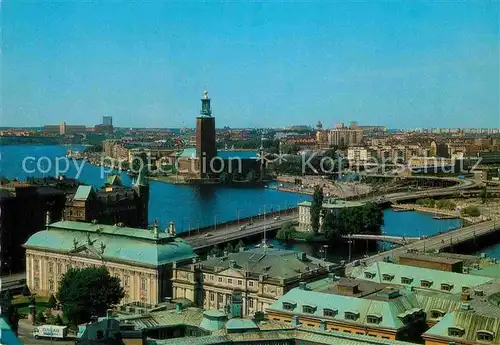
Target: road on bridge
{"x":233,"y":232}
{"x":436,"y":242}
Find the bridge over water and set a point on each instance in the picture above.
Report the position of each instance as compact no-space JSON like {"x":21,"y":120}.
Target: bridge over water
{"x":384,"y":238}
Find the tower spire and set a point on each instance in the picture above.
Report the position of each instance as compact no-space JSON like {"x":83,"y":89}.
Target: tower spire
{"x":205,"y":105}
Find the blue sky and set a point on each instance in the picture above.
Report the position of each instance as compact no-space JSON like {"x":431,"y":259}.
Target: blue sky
{"x":401,"y":64}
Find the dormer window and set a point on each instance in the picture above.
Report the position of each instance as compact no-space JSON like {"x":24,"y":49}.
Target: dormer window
{"x":309,"y":309}
{"x":437,"y":313}
{"x":289,"y":306}
{"x":447,"y":287}
{"x":406,"y":280}
{"x":478,"y":292}
{"x":425,"y":283}
{"x":351,"y":315}
{"x":373,"y":318}
{"x":465,"y":289}
{"x":387,"y":277}
{"x":369,"y":275}
{"x":455,"y":331}
{"x":484,"y":335}
{"x":330,"y":312}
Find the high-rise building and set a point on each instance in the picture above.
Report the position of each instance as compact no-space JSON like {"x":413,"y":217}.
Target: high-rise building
{"x":107,"y":120}
{"x":206,"y":148}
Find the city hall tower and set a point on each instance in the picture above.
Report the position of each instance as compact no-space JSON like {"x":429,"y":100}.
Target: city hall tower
{"x":206,"y":148}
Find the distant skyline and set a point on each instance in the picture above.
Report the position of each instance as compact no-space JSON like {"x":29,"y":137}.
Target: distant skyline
{"x":398,"y":64}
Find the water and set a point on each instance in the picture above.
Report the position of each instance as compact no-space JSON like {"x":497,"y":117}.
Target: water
{"x":187,"y":206}
{"x":409,"y":224}
{"x":194,"y":206}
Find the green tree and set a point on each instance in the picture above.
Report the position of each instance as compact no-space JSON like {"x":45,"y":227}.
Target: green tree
{"x":40,"y":318}
{"x":215,"y":251}
{"x":471,"y":211}
{"x":26,"y":290}
{"x":484,"y":195}
{"x":52,"y":302}
{"x":58,"y":320}
{"x":9,"y":312}
{"x":88,"y":291}
{"x":286,"y":233}
{"x":316,"y":207}
{"x":239,"y":245}
{"x":229,"y":248}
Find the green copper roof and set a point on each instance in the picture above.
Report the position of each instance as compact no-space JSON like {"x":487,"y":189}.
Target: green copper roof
{"x":142,"y":179}
{"x":417,"y":275}
{"x":7,"y":335}
{"x":112,"y":243}
{"x":82,"y":193}
{"x":470,"y":323}
{"x":164,"y":318}
{"x":213,"y":320}
{"x":390,"y":309}
{"x":240,"y":325}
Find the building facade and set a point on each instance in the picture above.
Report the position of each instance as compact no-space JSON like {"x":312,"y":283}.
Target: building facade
{"x":345,"y":136}
{"x":330,"y":205}
{"x":111,"y":204}
{"x":261,"y":275}
{"x":142,"y":259}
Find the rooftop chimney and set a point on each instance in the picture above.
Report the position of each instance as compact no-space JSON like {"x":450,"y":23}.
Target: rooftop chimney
{"x":178,"y":307}
{"x":295,"y":321}
{"x":47,"y":219}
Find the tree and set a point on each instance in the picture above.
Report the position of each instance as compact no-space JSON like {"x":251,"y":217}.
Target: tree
{"x":86,"y":292}
{"x":9,"y":312}
{"x":286,"y":233}
{"x":229,"y":248}
{"x":26,"y":290}
{"x":52,"y":302}
{"x":484,"y":195}
{"x":316,"y":207}
{"x":215,"y":251}
{"x":58,"y":321}
{"x":240,"y":245}
{"x":40,"y":318}
{"x":471,"y":211}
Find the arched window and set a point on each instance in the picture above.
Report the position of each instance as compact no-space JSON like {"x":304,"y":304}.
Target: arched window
{"x":455,"y":331}
{"x":484,"y":335}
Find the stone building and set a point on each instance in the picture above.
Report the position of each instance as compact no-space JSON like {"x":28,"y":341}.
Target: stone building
{"x":330,"y":205}
{"x":142,"y":259}
{"x":345,"y":136}
{"x":261,"y":275}
{"x":23,"y":206}
{"x":111,"y":204}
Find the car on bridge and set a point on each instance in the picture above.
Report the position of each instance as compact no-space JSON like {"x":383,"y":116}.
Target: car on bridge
{"x":277,"y":218}
{"x":243,"y":227}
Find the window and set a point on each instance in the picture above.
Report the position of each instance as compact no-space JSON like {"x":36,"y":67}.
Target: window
{"x":250,"y":283}
{"x":373,"y":319}
{"x":455,"y":331}
{"x":351,"y":315}
{"x":143,"y":283}
{"x":219,"y":298}
{"x":288,"y":306}
{"x":212,"y":296}
{"x":387,"y":277}
{"x":36,"y":265}
{"x":425,"y":283}
{"x":59,"y":268}
{"x":330,"y":312}
{"x":483,"y":335}
{"x":37,"y":283}
{"x":204,"y":276}
{"x":369,"y":275}
{"x":211,"y":277}
{"x":446,"y":287}
{"x":51,"y":285}
{"x":384,"y":337}
{"x":406,"y":280}
{"x":50,"y":267}
{"x":347,"y":331}
{"x":229,"y":281}
{"x":126,"y":280}
{"x":250,"y":302}
{"x":311,"y":325}
{"x":435,"y":313}
{"x":240,"y":282}
{"x":372,"y":335}
{"x":359,"y":333}
{"x":220,"y":279}
{"x":478,"y":292}
{"x":308,"y":309}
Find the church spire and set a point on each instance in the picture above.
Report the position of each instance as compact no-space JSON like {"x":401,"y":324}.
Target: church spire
{"x":205,"y":105}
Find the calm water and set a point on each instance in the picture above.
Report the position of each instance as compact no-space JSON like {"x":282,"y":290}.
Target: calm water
{"x":187,"y":206}
{"x":194,"y":206}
